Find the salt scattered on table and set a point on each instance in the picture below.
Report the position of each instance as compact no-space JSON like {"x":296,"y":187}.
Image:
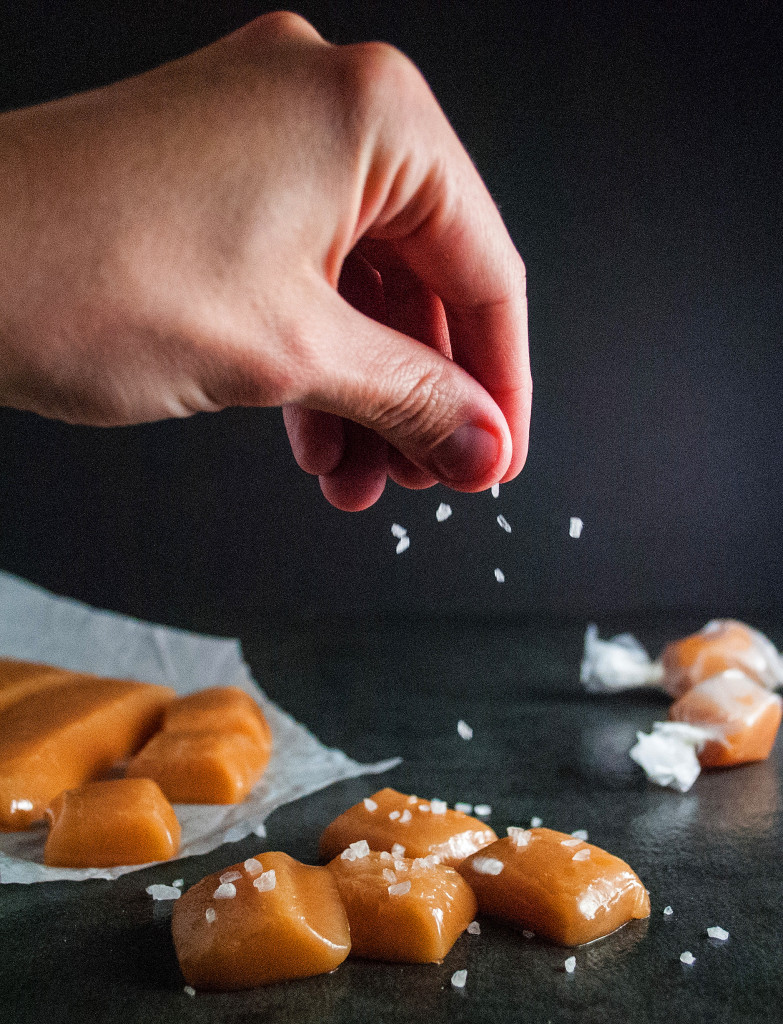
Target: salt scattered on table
{"x":716,"y":932}
{"x":499,"y":576}
{"x":687,"y":958}
{"x":443,"y":513}
{"x":474,"y":928}
{"x":459,"y":978}
{"x":178,"y":883}
{"x":225,"y":891}
{"x":575,"y":527}
{"x":570,"y":965}
{"x":482,"y":810}
{"x":464,"y":730}
{"x":163,"y":892}
{"x":667,"y":911}
{"x":189,"y":990}
{"x":527,"y":934}
{"x":403,"y":544}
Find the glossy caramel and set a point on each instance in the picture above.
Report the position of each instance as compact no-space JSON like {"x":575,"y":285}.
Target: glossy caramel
{"x":260,"y":935}
{"x":105,"y":824}
{"x":538,"y":884}
{"x":720,"y":645}
{"x":219,"y":709}
{"x":450,"y":835}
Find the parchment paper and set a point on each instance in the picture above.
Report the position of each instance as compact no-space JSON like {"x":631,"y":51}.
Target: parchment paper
{"x":40,"y":626}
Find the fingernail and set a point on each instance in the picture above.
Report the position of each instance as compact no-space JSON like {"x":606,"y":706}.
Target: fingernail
{"x":465,"y":456}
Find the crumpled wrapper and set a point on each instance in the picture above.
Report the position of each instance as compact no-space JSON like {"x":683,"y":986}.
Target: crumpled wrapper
{"x":39,"y":626}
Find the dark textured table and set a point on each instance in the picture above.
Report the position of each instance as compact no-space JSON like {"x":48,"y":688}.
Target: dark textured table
{"x":101,"y":951}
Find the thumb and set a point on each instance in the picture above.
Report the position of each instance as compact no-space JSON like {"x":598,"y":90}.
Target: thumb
{"x":429,"y":408}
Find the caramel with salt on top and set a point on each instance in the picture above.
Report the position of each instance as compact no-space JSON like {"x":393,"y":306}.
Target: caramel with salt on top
{"x":402,"y":909}
{"x":745,"y":717}
{"x":722,"y":644}
{"x":449,"y":835}
{"x":105,"y":824}
{"x":562,"y":888}
{"x":272,"y":919}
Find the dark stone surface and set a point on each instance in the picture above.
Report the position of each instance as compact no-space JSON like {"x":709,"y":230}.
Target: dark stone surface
{"x":101,"y":951}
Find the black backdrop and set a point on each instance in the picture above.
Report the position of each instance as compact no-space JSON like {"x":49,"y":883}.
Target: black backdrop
{"x":636,"y":153}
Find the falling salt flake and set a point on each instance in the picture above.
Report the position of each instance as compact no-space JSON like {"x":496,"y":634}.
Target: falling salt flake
{"x":570,"y":965}
{"x":437,"y":913}
{"x":474,"y":928}
{"x":536,"y":822}
{"x":504,"y":524}
{"x":189,"y":991}
{"x":570,"y":842}
{"x":443,"y":513}
{"x":225,"y":891}
{"x":210,"y":914}
{"x":499,"y":576}
{"x":487,"y":865}
{"x":253,"y":866}
{"x":231,"y":876}
{"x":266,"y":881}
{"x":528,"y":935}
{"x":370,"y":804}
{"x":260,"y":831}
{"x":464,"y":808}
{"x":389,"y":876}
{"x":438,"y":806}
{"x":482,"y":810}
{"x":393,"y":815}
{"x":398,"y":850}
{"x":459,"y":978}
{"x":360,"y":848}
{"x":716,"y":932}
{"x":464,"y":730}
{"x":575,"y":527}
{"x":405,"y":817}
{"x":495,"y":489}
{"x":581,"y":855}
{"x":178,"y":883}
{"x":687,"y":958}
{"x":402,"y":545}
{"x":398,"y":531}
{"x":518,"y":836}
{"x":580,"y":833}
{"x":668,"y":911}
{"x":163,"y":892}
{"x":400,"y":889}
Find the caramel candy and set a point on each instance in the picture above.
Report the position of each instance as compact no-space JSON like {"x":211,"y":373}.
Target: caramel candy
{"x":265,"y":920}
{"x":61,"y":736}
{"x":103,"y":824}
{"x":201,"y":767}
{"x":722,"y":644}
{"x":219,"y":709}
{"x":746,"y":718}
{"x":20,"y":678}
{"x":562,"y":888}
{"x":409,"y":910}
{"x":422,"y":827}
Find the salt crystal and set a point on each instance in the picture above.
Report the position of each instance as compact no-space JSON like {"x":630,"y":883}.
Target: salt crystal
{"x":423,"y":807}
{"x":398,"y":531}
{"x":444,"y":511}
{"x":716,"y":932}
{"x":499,"y":576}
{"x":360,"y":848}
{"x":687,"y":958}
{"x":482,"y":810}
{"x":527,"y":934}
{"x":260,"y":831}
{"x":210,"y":915}
{"x":402,"y":545}
{"x":412,"y":799}
{"x":398,"y":850}
{"x":225,"y":891}
{"x":518,"y":836}
{"x":389,"y":875}
{"x":570,"y":965}
{"x":400,"y":865}
{"x":459,"y":978}
{"x":668,"y":911}
{"x":504,"y":524}
{"x":582,"y":855}
{"x":487,"y":865}
{"x":394,"y":815}
{"x":495,"y":489}
{"x":400,"y":889}
{"x":266,"y":881}
{"x":464,"y":808}
{"x":438,"y":806}
{"x":474,"y":928}
{"x":253,"y":866}
{"x":230,"y":876}
{"x":575,"y":527}
{"x":464,"y":730}
{"x":405,"y":817}
{"x":437,"y":913}
{"x":536,"y":822}
{"x":178,"y":883}
{"x":385,"y":855}
{"x":425,"y":863}
{"x":163,"y":892}
{"x":580,"y":833}
{"x":570,"y":842}
{"x":189,"y":990}
{"x":348,"y":854}
{"x":370,"y":804}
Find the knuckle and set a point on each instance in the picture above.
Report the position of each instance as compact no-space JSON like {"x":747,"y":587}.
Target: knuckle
{"x":284,"y":23}
{"x":372,"y":72}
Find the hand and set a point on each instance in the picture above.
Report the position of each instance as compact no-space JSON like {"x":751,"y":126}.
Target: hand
{"x":270,"y":221}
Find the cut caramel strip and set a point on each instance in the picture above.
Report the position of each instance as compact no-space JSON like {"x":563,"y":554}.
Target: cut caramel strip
{"x":219,"y":709}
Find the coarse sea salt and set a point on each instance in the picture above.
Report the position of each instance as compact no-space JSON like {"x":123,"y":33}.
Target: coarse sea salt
{"x":225,"y":891}
{"x":370,"y":804}
{"x":385,"y":855}
{"x":403,"y":544}
{"x":580,"y":833}
{"x":716,"y":932}
{"x":400,"y":889}
{"x":231,"y":876}
{"x":570,"y":842}
{"x":536,"y":822}
{"x":464,"y":730}
{"x":482,"y":810}
{"x":438,"y":806}
{"x":495,"y":489}
{"x":393,"y":815}
{"x":575,"y":527}
{"x":253,"y":866}
{"x":687,"y":958}
{"x":443,"y":513}
{"x":581,"y":855}
{"x":210,"y":914}
{"x":570,"y":965}
{"x":423,"y":807}
{"x":464,"y":808}
{"x":518,"y":836}
{"x":504,"y":524}
{"x":487,"y":865}
{"x":189,"y":991}
{"x":266,"y":881}
{"x":400,"y":865}
{"x":163,"y":892}
{"x":474,"y":928}
{"x":499,"y":576}
{"x":178,"y":883}
{"x":361,"y":848}
{"x":459,"y":978}
{"x":527,"y":934}
{"x":667,"y":911}
{"x":405,"y":817}
{"x":398,"y":850}
{"x":389,"y":876}
{"x":398,"y":531}
{"x":425,"y":863}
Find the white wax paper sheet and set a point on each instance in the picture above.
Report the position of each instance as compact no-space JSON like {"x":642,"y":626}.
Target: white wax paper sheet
{"x":39,"y":626}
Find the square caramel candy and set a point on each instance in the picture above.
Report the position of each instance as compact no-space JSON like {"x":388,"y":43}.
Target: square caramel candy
{"x":560,"y":887}
{"x":106,"y":824}
{"x":399,"y":908}
{"x":265,"y":920}
{"x":743,"y":717}
{"x":422,"y":827}
{"x":218,"y":709}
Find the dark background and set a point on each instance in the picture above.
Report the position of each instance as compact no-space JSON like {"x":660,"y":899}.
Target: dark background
{"x":635,"y":153}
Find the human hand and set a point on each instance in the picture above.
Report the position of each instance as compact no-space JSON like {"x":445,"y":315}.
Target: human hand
{"x":270,"y":221}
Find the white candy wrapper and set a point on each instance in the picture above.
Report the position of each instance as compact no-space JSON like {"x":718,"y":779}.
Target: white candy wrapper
{"x":668,"y":753}
{"x":617,"y":664}
{"x":38,"y":626}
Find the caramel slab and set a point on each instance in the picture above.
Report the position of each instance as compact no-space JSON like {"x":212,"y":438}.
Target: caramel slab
{"x":422,"y":827}
{"x":562,"y":888}
{"x":270,"y":919}
{"x":219,"y":709}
